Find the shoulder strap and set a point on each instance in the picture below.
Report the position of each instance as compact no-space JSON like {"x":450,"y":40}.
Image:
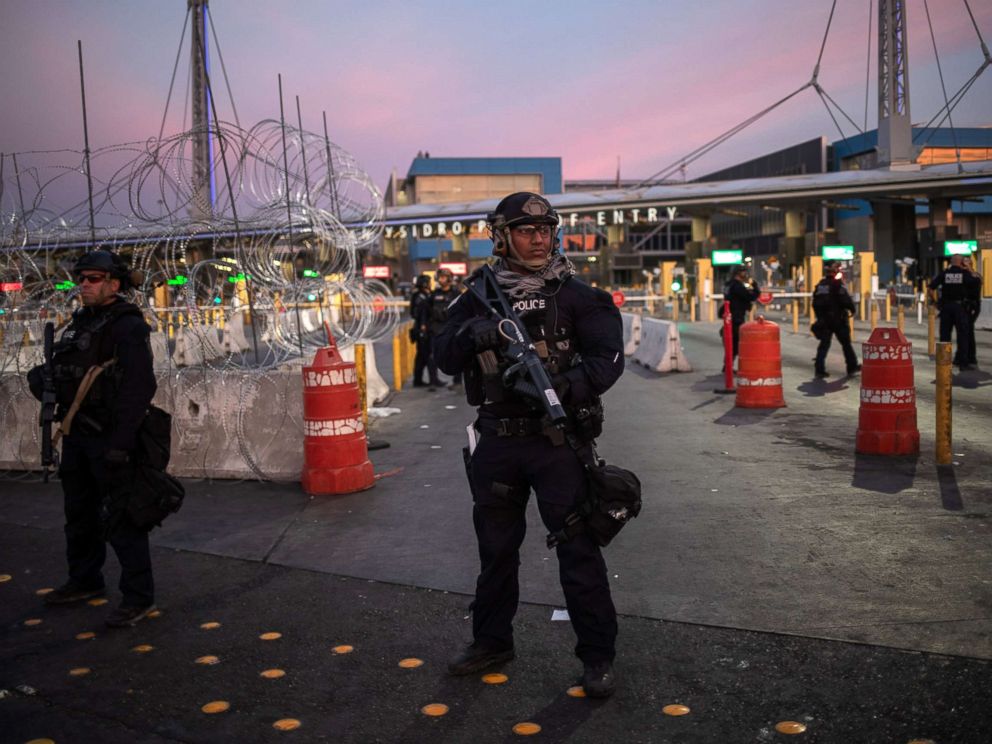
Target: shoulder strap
{"x":84,"y":388}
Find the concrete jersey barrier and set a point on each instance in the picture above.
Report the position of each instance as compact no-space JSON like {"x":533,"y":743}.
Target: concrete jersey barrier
{"x":660,"y":347}
{"x":631,"y":332}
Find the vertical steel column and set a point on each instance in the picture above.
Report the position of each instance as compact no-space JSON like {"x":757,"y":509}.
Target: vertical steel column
{"x":895,"y":131}
{"x":202,"y":205}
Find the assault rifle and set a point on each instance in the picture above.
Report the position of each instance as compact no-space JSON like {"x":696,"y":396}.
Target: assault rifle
{"x":48,"y":456}
{"x":527,"y":374}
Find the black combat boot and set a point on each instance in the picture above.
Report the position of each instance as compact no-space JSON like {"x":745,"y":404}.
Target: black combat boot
{"x":71,"y":592}
{"x":125,"y":616}
{"x":599,"y":679}
{"x":477,"y":657}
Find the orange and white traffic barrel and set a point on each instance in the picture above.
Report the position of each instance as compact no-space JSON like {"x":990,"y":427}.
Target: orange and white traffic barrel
{"x":887,"y":416}
{"x":335,"y":452}
{"x":759,"y":366}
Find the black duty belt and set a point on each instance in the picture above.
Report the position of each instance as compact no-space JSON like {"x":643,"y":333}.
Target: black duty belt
{"x":511,"y":427}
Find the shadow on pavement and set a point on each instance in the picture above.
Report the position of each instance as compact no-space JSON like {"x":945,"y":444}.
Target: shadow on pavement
{"x":950,"y":493}
{"x":818,"y":387}
{"x":883,"y":474}
{"x":972,"y":379}
{"x":744,"y":416}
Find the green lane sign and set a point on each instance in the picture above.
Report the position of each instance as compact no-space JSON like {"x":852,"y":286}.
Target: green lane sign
{"x":838,"y":253}
{"x":727,"y":257}
{"x":960,"y":247}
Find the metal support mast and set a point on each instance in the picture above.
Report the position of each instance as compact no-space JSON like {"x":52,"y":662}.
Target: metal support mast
{"x":202,"y":207}
{"x":895,"y":129}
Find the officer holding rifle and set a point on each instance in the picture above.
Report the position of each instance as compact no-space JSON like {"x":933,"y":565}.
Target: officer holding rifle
{"x":534,"y":414}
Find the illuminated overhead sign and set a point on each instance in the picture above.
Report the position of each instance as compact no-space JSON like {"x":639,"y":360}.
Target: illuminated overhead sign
{"x":960,"y":247}
{"x":727,"y":258}
{"x":375,"y":272}
{"x":10,"y":286}
{"x":239,"y":277}
{"x":838,"y":252}
{"x":310,"y":273}
{"x":65,"y":286}
{"x":178,"y":281}
{"x":600,"y":218}
{"x":458,"y":268}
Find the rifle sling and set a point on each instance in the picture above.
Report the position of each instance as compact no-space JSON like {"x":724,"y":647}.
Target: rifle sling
{"x":84,"y":388}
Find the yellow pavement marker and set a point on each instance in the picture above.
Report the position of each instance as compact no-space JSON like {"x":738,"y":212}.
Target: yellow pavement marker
{"x":434,"y":709}
{"x":411,"y":663}
{"x":31,"y":622}
{"x":576,"y":691}
{"x":272,"y":674}
{"x":270,"y":636}
{"x":494,"y":679}
{"x":212,"y":625}
{"x":155,"y":613}
{"x":286,"y":724}
{"x":343,"y":649}
{"x":97,"y":602}
{"x":208,"y":660}
{"x":79,"y":672}
{"x":43,"y":592}
{"x":85,"y":636}
{"x":216,"y":706}
{"x":4,"y":578}
{"x":42,"y":741}
{"x":526,"y":728}
{"x":144,"y":648}
{"x":790,"y":727}
{"x":675,"y":710}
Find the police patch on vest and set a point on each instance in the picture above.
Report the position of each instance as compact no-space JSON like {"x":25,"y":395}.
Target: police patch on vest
{"x":953,"y":278}
{"x":526,"y":306}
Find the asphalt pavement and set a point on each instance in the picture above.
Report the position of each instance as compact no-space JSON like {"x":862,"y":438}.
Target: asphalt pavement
{"x":773,"y":576}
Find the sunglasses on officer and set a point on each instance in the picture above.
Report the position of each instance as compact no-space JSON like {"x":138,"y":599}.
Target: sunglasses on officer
{"x":92,"y":278}
{"x":529,"y":231}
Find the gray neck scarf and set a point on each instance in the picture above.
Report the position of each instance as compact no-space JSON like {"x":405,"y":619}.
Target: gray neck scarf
{"x":518,"y":286}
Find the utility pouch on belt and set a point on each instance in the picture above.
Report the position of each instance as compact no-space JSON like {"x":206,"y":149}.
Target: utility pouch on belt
{"x":613,"y":499}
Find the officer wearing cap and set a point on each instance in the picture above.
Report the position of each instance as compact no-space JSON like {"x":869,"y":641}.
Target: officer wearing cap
{"x":442,"y":296}
{"x":109,"y":332}
{"x":741,"y":292}
{"x":955,"y":287}
{"x":578,"y":334}
{"x":832,"y":306}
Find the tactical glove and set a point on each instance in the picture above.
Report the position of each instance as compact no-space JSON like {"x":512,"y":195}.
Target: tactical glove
{"x":480,"y":334}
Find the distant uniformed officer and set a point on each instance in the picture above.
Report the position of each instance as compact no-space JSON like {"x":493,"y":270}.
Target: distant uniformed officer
{"x":102,"y":437}
{"x":741,"y":291}
{"x":832,"y":305}
{"x":973,"y":306}
{"x":579,"y":335}
{"x":420,"y":309}
{"x":443,"y":295}
{"x":955,"y":285}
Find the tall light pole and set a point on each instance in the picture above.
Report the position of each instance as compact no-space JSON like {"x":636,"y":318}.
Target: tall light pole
{"x":895,"y":128}
{"x":202,"y":207}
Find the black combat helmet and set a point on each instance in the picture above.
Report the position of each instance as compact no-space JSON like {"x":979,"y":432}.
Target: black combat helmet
{"x":423,"y":281}
{"x":113,"y":264}
{"x":521,"y":208}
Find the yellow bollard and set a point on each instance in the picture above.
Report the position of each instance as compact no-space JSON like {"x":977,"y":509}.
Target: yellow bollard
{"x":874,"y":315}
{"x":692,"y":309}
{"x":944,"y":376}
{"x":675,"y":309}
{"x":795,"y":315}
{"x":850,"y":325}
{"x":398,"y":360}
{"x":362,"y":384}
{"x":901,"y":318}
{"x":931,"y":330}
{"x":888,"y":307}
{"x":862,"y":314}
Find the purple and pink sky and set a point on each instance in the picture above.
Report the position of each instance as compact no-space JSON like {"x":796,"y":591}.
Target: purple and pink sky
{"x":646,"y":80}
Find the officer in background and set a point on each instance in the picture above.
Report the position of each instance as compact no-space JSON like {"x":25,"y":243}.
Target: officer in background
{"x":102,"y":438}
{"x":578,"y":333}
{"x":420,"y":309}
{"x":955,"y":285}
{"x":443,"y":295}
{"x":741,"y":292}
{"x":973,"y":306}
{"x":832,"y":306}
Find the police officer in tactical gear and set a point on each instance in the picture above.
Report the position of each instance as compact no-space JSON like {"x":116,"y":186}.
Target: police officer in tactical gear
{"x":741,"y":292}
{"x":442,"y":296}
{"x":956,"y":288}
{"x":832,"y":305}
{"x":973,"y":308}
{"x":578,"y":334}
{"x":420,"y":309}
{"x":102,"y":437}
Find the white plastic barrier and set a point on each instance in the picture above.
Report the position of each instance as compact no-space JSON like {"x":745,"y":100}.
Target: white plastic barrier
{"x":631,"y":332}
{"x":660,"y":348}
{"x":160,"y":350}
{"x":189,"y":352}
{"x":234,"y":340}
{"x":376,"y":388}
